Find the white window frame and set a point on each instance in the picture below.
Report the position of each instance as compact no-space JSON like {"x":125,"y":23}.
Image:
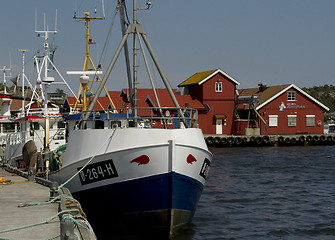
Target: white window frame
{"x":291,"y":123}
{"x":289,"y":97}
{"x":273,"y":120}
{"x":218,"y":87}
{"x":308,"y":120}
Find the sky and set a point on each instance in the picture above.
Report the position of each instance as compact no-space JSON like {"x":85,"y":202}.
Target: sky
{"x":255,"y":41}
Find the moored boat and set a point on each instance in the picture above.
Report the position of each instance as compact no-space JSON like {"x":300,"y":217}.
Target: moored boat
{"x":128,"y":174}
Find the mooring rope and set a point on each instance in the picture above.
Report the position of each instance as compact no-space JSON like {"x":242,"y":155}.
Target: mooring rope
{"x":73,"y":212}
{"x":109,"y":138}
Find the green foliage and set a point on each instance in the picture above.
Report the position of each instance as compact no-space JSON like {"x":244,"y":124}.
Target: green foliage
{"x":326,"y":95}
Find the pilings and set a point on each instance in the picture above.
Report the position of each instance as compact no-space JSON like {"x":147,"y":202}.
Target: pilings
{"x":213,"y":140}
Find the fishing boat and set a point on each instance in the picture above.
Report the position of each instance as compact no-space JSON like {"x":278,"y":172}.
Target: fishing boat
{"x":128,"y":174}
{"x":39,"y":126}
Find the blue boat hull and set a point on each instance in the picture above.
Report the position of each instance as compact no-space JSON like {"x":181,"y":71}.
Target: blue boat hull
{"x":159,"y":204}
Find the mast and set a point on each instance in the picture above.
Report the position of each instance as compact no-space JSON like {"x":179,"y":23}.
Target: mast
{"x":23,"y":76}
{"x":135,"y":29}
{"x":89,"y":67}
{"x":4,"y":69}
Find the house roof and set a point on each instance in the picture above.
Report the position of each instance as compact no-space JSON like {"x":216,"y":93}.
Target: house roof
{"x":146,"y":98}
{"x":272,"y":92}
{"x":201,"y":77}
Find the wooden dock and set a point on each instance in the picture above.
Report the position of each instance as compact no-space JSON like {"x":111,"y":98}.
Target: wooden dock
{"x":29,"y":210}
{"x":213,"y":140}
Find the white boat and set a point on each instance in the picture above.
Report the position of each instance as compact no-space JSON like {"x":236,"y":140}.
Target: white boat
{"x":40,"y":120}
{"x":128,"y":174}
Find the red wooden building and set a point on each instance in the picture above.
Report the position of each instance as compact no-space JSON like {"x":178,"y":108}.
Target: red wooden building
{"x":216,"y":90}
{"x":283,"y":109}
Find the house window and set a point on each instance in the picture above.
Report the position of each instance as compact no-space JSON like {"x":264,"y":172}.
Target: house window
{"x":218,"y":87}
{"x":291,"y":120}
{"x":310,"y":120}
{"x":273,"y":120}
{"x":291,"y":96}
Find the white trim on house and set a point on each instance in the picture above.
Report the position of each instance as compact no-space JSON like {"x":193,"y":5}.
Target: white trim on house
{"x":286,"y":89}
{"x":223,"y":73}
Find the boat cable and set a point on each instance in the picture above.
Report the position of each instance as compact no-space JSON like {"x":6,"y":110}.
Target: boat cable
{"x":108,"y":139}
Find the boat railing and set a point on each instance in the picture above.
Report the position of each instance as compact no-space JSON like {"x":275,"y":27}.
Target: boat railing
{"x":149,"y":117}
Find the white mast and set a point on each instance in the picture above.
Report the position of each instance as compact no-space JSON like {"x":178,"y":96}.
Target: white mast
{"x":23,"y":76}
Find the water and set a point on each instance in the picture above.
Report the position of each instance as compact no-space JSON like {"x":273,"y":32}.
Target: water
{"x":267,"y":193}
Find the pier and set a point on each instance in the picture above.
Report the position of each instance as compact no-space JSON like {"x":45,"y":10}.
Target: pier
{"x":216,"y":140}
{"x":35,"y":210}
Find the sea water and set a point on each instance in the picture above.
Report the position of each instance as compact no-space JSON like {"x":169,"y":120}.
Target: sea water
{"x":265,"y":193}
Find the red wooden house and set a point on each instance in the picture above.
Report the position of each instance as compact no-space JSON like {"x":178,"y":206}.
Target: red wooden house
{"x":283,"y":109}
{"x":216,"y":90}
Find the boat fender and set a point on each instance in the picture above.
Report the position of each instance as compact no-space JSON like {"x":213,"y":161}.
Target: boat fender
{"x":217,"y":140}
{"x":244,"y":139}
{"x":29,"y":154}
{"x":322,"y":138}
{"x":224,"y":141}
{"x":238,"y":141}
{"x":259,"y":140}
{"x":293,"y":140}
{"x":316,"y":138}
{"x":266,"y":139}
{"x":301,"y":139}
{"x":329,"y":138}
{"x":309,"y":138}
{"x":209,"y":140}
{"x":281,"y":139}
{"x":287,"y":140}
{"x":230,"y":140}
{"x":252,"y":139}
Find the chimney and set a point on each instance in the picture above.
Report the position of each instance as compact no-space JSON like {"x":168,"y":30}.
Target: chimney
{"x":262,"y":87}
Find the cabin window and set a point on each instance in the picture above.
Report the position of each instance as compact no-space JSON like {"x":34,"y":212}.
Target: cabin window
{"x":291,"y":96}
{"x":273,"y":120}
{"x":218,"y":87}
{"x":291,"y":120}
{"x":310,"y":120}
{"x":115,"y":124}
{"x":99,"y":124}
{"x":170,"y":121}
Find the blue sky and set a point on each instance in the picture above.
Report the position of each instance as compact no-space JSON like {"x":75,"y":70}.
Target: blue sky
{"x":255,"y":41}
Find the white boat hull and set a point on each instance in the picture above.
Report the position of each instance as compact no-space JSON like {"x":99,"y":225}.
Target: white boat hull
{"x":137,"y":173}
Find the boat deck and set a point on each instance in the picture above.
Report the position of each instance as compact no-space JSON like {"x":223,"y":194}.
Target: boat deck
{"x":44,"y":219}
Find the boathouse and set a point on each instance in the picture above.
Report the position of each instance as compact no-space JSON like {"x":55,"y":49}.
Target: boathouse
{"x":277,"y":110}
